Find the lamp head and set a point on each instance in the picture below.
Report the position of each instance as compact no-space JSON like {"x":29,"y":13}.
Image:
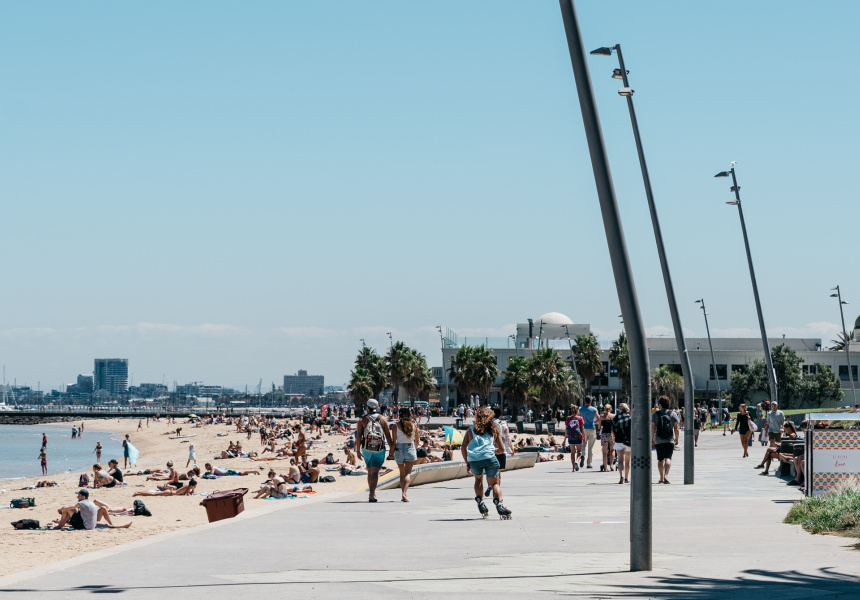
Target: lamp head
{"x":626,"y":92}
{"x":616,"y":74}
{"x":834,"y":296}
{"x":603,"y":51}
{"x":722,"y":174}
{"x":733,"y":202}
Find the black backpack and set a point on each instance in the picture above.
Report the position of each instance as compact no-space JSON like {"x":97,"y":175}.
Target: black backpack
{"x":665,"y":430}
{"x":25,"y":524}
{"x":329,"y":459}
{"x":326,"y":479}
{"x":84,"y":480}
{"x":140,"y":509}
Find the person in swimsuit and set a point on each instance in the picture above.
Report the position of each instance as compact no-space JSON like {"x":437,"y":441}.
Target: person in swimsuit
{"x":301,"y":442}
{"x":98,"y":452}
{"x":43,"y":460}
{"x":186,"y":490}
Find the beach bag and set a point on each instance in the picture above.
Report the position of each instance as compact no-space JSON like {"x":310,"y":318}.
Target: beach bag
{"x":326,"y":479}
{"x":25,"y":524}
{"x":329,"y":459}
{"x":665,"y":430}
{"x":373,"y":439}
{"x":23,"y":503}
{"x":140,"y":509}
{"x":84,"y":480}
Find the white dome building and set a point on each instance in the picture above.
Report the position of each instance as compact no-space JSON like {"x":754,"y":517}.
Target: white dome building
{"x":549,"y":326}
{"x":554,"y":318}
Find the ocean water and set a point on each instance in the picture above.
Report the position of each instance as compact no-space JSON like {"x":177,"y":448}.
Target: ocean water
{"x":20,"y":445}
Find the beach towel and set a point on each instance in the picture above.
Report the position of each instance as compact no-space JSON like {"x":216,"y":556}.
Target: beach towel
{"x":133,"y":454}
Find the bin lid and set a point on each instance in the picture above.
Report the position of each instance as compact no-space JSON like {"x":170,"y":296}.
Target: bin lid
{"x":237,"y":493}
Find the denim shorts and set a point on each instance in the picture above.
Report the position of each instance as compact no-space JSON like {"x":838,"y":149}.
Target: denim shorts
{"x":488,"y":467}
{"x":404,"y":453}
{"x":373,"y":460}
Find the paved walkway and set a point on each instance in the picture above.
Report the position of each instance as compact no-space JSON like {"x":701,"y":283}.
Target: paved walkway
{"x":722,"y":538}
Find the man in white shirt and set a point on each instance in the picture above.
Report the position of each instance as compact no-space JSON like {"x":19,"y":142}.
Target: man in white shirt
{"x":774,"y":423}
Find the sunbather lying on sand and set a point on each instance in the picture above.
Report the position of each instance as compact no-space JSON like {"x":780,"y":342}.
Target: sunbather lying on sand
{"x":40,"y":484}
{"x":185,"y":490}
{"x":221,"y":471}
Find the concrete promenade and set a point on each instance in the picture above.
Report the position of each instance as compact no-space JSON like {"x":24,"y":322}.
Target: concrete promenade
{"x":721,"y":538}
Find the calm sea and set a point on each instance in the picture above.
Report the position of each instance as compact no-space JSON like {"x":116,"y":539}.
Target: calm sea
{"x":20,"y":444}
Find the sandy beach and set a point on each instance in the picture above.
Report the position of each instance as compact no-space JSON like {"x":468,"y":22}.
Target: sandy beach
{"x":24,"y":550}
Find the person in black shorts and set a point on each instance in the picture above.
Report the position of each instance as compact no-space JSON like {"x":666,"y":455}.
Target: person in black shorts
{"x":665,"y":429}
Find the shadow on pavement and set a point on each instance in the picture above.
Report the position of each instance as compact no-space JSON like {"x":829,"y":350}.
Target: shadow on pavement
{"x":753,"y":583}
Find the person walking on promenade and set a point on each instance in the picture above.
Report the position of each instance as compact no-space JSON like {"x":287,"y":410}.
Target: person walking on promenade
{"x":744,"y":426}
{"x":589,"y":415}
{"x":574,"y":426}
{"x":606,"y":437}
{"x":503,"y":450}
{"x":405,"y":433}
{"x":621,"y":437}
{"x":479,"y":452}
{"x":727,"y":419}
{"x":773,"y":425}
{"x":665,"y":431}
{"x":371,"y":434}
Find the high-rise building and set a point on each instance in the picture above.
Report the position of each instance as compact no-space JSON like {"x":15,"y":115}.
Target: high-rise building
{"x":304,"y":384}
{"x":111,"y":375}
{"x":85,"y":384}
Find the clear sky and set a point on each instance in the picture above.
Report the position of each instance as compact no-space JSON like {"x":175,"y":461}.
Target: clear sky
{"x":224,"y":192}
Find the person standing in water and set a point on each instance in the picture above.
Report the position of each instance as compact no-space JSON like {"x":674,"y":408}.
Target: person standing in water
{"x":98,"y":452}
{"x":43,"y":459}
{"x":479,"y":452}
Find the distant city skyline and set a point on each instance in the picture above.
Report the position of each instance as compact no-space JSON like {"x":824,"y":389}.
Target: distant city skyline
{"x":235,"y":193}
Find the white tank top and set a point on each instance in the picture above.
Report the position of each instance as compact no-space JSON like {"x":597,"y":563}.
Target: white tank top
{"x":401,"y":437}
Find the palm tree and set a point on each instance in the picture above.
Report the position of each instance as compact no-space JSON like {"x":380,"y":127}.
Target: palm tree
{"x":360,"y":387}
{"x":666,"y":382}
{"x":376,"y":367}
{"x":398,"y":363}
{"x":620,"y":357}
{"x":515,"y":383}
{"x":418,"y":381}
{"x":839,"y":342}
{"x":474,"y":370}
{"x":548,"y":371}
{"x":588,"y":359}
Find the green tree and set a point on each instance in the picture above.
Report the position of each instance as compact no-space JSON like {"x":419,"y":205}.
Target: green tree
{"x":376,"y":368}
{"x":839,"y":342}
{"x":398,"y":363}
{"x":620,"y":357}
{"x":749,"y":381}
{"x":418,"y":381}
{"x":820,"y":386}
{"x":360,"y":387}
{"x":516,"y":383}
{"x":548,"y":372}
{"x":786,"y":364}
{"x":588,"y":359}
{"x":666,"y":382}
{"x":474,"y":370}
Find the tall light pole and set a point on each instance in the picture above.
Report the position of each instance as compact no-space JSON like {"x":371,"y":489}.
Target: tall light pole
{"x":390,"y":340}
{"x":838,"y":295}
{"x":444,"y":370}
{"x":684,"y":358}
{"x":573,"y":362}
{"x":771,"y":374}
{"x":640,"y":384}
{"x":713,"y":360}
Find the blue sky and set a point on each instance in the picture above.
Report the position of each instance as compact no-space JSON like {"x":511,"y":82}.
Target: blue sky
{"x":228,"y":192}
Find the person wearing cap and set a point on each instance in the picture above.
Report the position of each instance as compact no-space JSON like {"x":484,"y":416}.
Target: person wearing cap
{"x":86,"y":514}
{"x":371,"y":434}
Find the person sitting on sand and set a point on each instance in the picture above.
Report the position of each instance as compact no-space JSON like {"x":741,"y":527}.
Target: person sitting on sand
{"x":194,"y":472}
{"x":350,"y":456}
{"x":272,"y":487}
{"x":114,"y":470}
{"x":85,"y":514}
{"x":221,"y":471}
{"x":101,"y":478}
{"x":185,"y":490}
{"x":310,"y":470}
{"x":294,"y":476}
